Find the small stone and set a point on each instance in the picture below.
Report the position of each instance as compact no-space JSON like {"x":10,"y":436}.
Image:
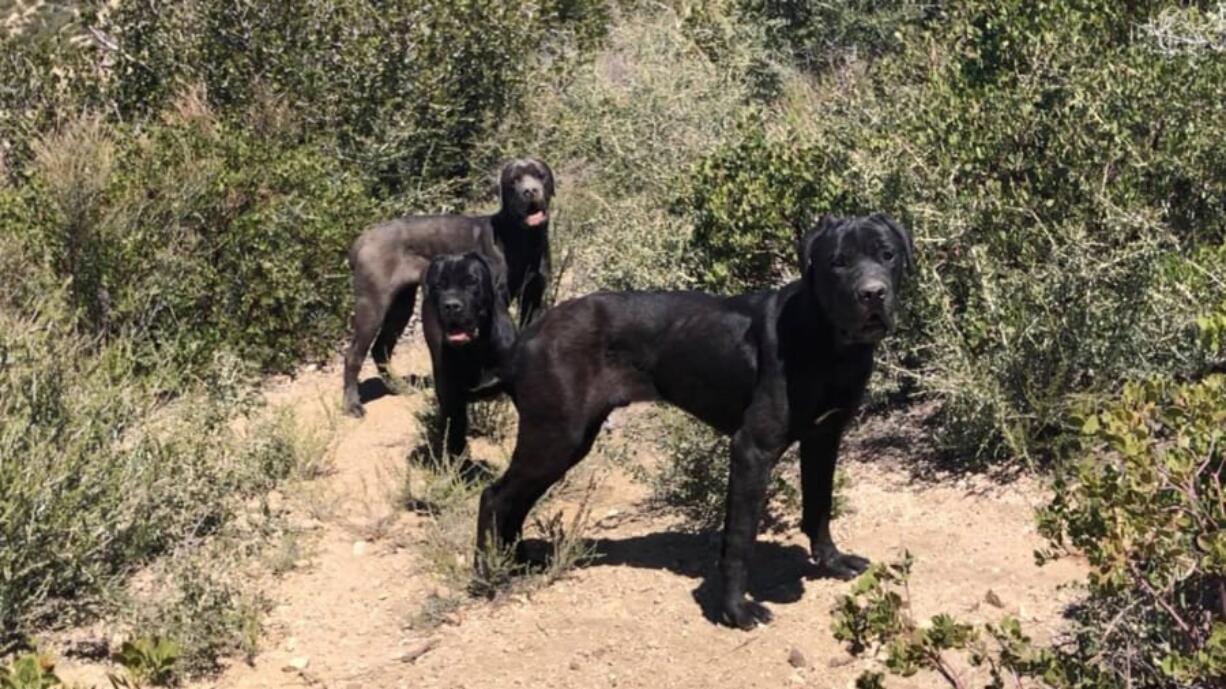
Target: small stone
{"x":797,"y":659}
{"x":993,"y":600}
{"x":297,"y":664}
{"x":797,"y":677}
{"x":359,"y":548}
{"x":840,"y":661}
{"x":275,"y":502}
{"x":574,"y":665}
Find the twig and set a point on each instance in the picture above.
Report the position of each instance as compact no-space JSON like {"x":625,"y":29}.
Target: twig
{"x":411,"y":657}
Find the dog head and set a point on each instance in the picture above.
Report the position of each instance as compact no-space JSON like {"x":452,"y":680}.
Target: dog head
{"x":527,"y":189}
{"x":854,"y":268}
{"x":461,"y":291}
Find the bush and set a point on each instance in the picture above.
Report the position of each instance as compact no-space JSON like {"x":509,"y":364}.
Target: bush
{"x":405,"y":88}
{"x":692,"y":477}
{"x":1143,"y":502}
{"x":1145,"y":505}
{"x":1057,"y":171}
{"x":96,"y":476}
{"x":193,"y":237}
{"x":620,"y":131}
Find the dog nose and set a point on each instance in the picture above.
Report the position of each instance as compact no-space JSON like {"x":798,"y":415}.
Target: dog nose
{"x":451,"y":306}
{"x":873,"y":291}
{"x":531,"y":193}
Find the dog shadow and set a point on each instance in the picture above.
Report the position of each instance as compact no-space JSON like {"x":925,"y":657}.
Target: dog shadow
{"x":777,"y":575}
{"x":375,"y":388}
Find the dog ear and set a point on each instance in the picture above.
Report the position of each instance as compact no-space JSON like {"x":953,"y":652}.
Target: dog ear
{"x":904,"y":238}
{"x":503,"y":179}
{"x":547,"y":173}
{"x":804,"y":245}
{"x":432,"y":275}
{"x":493,"y":281}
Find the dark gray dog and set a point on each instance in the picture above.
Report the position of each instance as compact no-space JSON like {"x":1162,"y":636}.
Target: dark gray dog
{"x":769,"y":369}
{"x":464,"y":318}
{"x":389,"y":260}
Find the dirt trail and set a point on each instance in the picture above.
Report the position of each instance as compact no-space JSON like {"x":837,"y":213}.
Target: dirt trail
{"x":631,"y":618}
{"x":634,"y":616}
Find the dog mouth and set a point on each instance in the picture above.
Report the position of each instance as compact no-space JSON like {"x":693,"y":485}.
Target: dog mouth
{"x":875,"y":327}
{"x":460,"y":336}
{"x":537,"y":218}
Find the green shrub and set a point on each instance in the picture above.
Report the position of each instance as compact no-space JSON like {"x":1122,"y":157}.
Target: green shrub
{"x":194,"y":237}
{"x":1143,"y":502}
{"x":96,"y":475}
{"x":29,"y":671}
{"x":692,"y":477}
{"x":1145,"y":505}
{"x":1053,"y":166}
{"x":620,"y":131}
{"x":405,"y":88}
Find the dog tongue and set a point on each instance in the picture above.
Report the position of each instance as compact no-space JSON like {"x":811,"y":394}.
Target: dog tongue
{"x":458,"y":337}
{"x":535,"y":219}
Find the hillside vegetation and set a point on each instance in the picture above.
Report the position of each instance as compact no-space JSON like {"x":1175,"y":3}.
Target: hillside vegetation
{"x":179,"y":184}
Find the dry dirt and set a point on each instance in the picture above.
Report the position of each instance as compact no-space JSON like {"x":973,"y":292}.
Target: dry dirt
{"x":633,"y":617}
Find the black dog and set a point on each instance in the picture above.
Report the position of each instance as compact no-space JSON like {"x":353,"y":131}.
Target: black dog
{"x":389,"y":259}
{"x":769,"y":369}
{"x":464,"y":317}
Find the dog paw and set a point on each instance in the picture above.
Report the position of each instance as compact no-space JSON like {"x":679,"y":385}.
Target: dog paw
{"x":845,"y":566}
{"x":745,"y":614}
{"x":355,"y":410}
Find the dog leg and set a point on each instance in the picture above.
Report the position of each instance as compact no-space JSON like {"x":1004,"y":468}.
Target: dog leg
{"x":818,"y":456}
{"x":394,"y":323}
{"x":752,"y":460}
{"x":367,"y":316}
{"x":542,"y":456}
{"x":531,"y":295}
{"x":453,"y":414}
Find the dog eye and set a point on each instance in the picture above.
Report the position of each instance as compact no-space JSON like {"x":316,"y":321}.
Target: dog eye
{"x":839,"y":261}
{"x":887,"y":255}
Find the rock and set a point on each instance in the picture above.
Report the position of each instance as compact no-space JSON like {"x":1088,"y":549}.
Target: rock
{"x":297,"y":664}
{"x":840,"y":661}
{"x":797,"y":659}
{"x":993,"y":600}
{"x":575,"y":666}
{"x":360,"y":548}
{"x":797,"y":677}
{"x":275,"y":502}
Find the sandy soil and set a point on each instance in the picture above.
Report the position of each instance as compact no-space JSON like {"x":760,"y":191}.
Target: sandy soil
{"x":634,"y":616}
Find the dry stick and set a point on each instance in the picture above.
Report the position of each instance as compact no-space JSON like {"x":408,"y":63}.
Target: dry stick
{"x":1157,"y":597}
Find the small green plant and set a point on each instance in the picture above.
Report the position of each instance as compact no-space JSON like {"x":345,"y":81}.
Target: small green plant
{"x":148,"y":661}
{"x":29,"y":671}
{"x":877,"y":614}
{"x":1142,"y":499}
{"x":692,"y":477}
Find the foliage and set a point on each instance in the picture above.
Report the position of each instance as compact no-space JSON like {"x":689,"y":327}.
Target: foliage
{"x":97,"y":476}
{"x":147,"y":660}
{"x":193,"y":237}
{"x":691,"y":479}
{"x":29,"y":671}
{"x":1052,"y":165}
{"x":404,"y":88}
{"x":621,"y":130}
{"x":1145,"y":505}
{"x":821,"y":35}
